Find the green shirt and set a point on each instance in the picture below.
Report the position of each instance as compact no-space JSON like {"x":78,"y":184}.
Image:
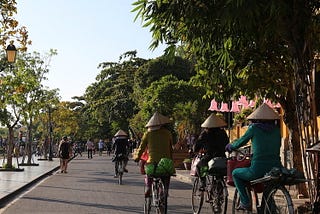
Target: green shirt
{"x":159,"y":143}
{"x":265,"y":145}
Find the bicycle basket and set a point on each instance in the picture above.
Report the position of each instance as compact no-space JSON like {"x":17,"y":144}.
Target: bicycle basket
{"x":233,"y":164}
{"x":218,"y":166}
{"x":286,"y":176}
{"x":195,"y":161}
{"x":165,"y":167}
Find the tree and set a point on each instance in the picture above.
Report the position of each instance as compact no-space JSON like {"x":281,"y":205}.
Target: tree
{"x":9,"y":26}
{"x":9,"y":30}
{"x":109,"y":100}
{"x":177,"y":99}
{"x":263,"y":48}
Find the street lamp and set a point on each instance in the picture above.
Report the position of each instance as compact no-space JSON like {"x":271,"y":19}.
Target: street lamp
{"x":50,"y":135}
{"x":11,"y":52}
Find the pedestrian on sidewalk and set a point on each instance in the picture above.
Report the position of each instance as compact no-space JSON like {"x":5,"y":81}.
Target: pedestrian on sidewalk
{"x":90,"y":147}
{"x":64,"y":154}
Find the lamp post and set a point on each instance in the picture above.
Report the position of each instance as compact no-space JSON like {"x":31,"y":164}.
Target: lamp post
{"x":11,"y":52}
{"x":50,"y":135}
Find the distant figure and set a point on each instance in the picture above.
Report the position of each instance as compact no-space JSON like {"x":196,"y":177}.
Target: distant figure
{"x":90,"y":147}
{"x":109,"y":148}
{"x":120,"y":146}
{"x":100,"y":146}
{"x":64,"y":154}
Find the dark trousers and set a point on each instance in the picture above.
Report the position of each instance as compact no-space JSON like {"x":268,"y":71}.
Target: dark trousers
{"x":89,"y":153}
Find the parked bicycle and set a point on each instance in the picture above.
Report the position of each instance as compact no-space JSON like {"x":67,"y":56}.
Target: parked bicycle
{"x":216,"y":192}
{"x":275,"y":198}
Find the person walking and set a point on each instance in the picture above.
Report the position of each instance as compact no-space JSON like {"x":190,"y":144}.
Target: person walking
{"x":265,"y":137}
{"x":100,"y":146}
{"x":90,"y":147}
{"x":211,"y":142}
{"x":64,"y":154}
{"x":120,"y":146}
{"x":159,"y":140}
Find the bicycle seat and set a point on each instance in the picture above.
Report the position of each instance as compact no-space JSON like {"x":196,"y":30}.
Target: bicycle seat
{"x":119,"y":157}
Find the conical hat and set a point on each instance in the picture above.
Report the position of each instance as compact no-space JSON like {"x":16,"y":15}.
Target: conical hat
{"x":158,"y":119}
{"x":213,"y":121}
{"x":120,"y":133}
{"x":264,"y":112}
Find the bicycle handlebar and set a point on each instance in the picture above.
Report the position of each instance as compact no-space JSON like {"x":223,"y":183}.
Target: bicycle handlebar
{"x":239,"y":155}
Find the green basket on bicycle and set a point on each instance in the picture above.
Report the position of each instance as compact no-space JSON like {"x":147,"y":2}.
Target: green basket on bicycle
{"x":165,"y":167}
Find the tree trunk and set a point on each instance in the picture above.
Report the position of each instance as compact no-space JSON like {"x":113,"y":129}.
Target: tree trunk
{"x":292,"y":123}
{"x":29,"y":144}
{"x":10,"y":147}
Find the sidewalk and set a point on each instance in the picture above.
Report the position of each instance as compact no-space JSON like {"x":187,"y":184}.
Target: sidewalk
{"x":13,"y":182}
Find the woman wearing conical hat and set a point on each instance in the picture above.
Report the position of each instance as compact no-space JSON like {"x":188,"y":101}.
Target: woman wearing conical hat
{"x":120,"y":146}
{"x":212,"y":141}
{"x":265,"y":146}
{"x":158,"y":139}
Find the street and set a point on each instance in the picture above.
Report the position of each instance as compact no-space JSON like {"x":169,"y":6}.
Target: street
{"x":89,"y":187}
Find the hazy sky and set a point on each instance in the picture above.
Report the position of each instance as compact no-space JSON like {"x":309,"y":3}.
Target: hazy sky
{"x":85,"y":33}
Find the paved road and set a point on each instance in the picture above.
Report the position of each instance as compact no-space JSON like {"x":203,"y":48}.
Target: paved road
{"x":89,"y":187}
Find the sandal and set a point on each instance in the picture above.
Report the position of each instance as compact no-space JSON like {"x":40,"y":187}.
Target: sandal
{"x":244,"y":207}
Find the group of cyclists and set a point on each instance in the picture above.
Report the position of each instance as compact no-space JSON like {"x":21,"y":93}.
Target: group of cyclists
{"x":263,"y":132}
{"x":157,"y":141}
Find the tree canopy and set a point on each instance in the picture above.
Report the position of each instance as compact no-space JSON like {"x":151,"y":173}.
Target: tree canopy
{"x":254,"y":48}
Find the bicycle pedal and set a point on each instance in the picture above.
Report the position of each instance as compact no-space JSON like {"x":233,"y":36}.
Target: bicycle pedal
{"x":209,"y":200}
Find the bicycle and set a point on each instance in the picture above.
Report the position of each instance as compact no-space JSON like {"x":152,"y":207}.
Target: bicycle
{"x":275,"y":196}
{"x":119,"y":160}
{"x":159,"y":196}
{"x":215,"y":192}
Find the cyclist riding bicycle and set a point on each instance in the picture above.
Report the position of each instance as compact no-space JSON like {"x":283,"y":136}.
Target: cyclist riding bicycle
{"x":212,"y":142}
{"x":120,"y":146}
{"x":265,"y":137}
{"x":158,"y":139}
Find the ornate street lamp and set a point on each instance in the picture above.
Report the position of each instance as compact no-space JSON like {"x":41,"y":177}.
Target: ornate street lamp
{"x":11,"y":52}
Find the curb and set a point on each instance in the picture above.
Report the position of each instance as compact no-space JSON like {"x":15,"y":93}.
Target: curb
{"x":11,"y":196}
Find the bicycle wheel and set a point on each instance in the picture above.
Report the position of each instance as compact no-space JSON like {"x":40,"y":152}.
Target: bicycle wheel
{"x":277,"y":200}
{"x":236,"y":201}
{"x":120,"y":172}
{"x":147,"y":204}
{"x":162,"y":198}
{"x":219,"y":193}
{"x":197,"y":196}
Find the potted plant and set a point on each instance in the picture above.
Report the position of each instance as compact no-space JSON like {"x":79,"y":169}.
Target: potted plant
{"x":187,"y":163}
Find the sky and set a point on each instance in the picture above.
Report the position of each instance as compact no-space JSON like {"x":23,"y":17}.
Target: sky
{"x":84,"y":33}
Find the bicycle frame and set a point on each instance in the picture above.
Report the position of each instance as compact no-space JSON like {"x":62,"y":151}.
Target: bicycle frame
{"x":119,"y":165}
{"x":215,"y":192}
{"x":158,"y":199}
{"x":275,"y":197}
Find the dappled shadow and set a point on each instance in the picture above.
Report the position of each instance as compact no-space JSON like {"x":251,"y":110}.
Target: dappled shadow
{"x":88,"y":204}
